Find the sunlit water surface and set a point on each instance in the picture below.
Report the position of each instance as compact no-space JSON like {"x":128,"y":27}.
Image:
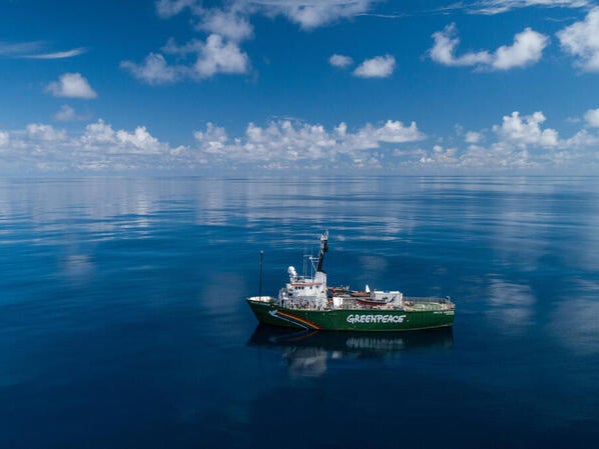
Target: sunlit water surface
{"x":123,"y":322}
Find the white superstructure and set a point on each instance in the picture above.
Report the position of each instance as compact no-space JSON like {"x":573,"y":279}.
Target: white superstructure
{"x":307,"y":291}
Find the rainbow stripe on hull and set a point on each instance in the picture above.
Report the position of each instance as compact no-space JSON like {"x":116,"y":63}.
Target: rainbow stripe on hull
{"x":294,"y":319}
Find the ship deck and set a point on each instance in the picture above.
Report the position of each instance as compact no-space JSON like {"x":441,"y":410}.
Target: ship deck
{"x":347,"y":302}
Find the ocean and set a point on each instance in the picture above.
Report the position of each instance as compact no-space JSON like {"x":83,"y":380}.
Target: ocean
{"x":123,"y":322}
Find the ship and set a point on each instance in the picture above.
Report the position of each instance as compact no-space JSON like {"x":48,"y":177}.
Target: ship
{"x":306,"y":302}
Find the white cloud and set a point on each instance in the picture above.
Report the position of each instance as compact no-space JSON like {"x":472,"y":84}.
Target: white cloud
{"x":67,"y":114}
{"x":526,"y":130}
{"x":4,"y":138}
{"x":39,"y":131}
{"x":518,"y":142}
{"x":228,"y":25}
{"x":581,"y":40}
{"x":140,"y":141}
{"x":35,"y":50}
{"x":71,"y":85}
{"x":283,"y":142}
{"x":169,"y":8}
{"x":233,"y":25}
{"x":396,"y":132}
{"x":213,"y":139}
{"x":211,"y":58}
{"x":19,"y":48}
{"x":377,"y":67}
{"x":527,"y":49}
{"x":41,"y":147}
{"x":491,"y":7}
{"x":473,"y":137}
{"x":582,"y":140}
{"x":57,"y":55}
{"x":340,"y":61}
{"x":217,"y":56}
{"x":445,"y":44}
{"x":310,"y":14}
{"x":154,"y":70}
{"x":592,"y":117}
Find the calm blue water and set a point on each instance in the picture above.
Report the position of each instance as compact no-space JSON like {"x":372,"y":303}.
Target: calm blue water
{"x":123,"y":322}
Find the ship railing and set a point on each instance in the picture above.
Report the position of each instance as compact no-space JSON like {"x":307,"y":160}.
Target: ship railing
{"x":428,"y":303}
{"x":421,"y":299}
{"x":299,"y":303}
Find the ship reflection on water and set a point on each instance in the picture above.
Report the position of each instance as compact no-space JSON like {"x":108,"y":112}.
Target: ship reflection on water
{"x":308,"y":353}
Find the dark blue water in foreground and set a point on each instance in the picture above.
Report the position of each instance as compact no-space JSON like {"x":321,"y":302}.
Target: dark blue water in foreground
{"x":123,"y":322}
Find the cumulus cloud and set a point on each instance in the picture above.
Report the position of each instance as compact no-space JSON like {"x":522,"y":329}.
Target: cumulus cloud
{"x":518,"y":141}
{"x":284,"y":142}
{"x":445,"y":43}
{"x":227,"y":26}
{"x":140,"y":141}
{"x":98,"y":147}
{"x":472,"y":137}
{"x":65,"y":114}
{"x":377,"y":67}
{"x":4,"y":138}
{"x":153,"y":70}
{"x":526,"y":130}
{"x":592,"y":117}
{"x":340,"y":61}
{"x":68,"y":114}
{"x":40,"y":131}
{"x":526,"y":49}
{"x":581,"y":40}
{"x":218,"y":56}
{"x":71,"y":85}
{"x":211,"y":58}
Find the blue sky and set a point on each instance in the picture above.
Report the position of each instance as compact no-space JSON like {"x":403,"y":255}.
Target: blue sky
{"x":185,"y":86}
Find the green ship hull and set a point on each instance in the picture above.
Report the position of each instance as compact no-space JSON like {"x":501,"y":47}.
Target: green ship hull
{"x":422,"y":315}
{"x":307,"y":303}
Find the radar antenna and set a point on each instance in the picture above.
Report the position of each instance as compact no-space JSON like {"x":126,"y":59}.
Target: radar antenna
{"x":324,"y":247}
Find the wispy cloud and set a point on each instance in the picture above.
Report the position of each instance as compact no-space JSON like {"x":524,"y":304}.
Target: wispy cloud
{"x":492,"y":7}
{"x":36,"y":50}
{"x":310,"y":14}
{"x":57,"y":55}
{"x":15,"y":49}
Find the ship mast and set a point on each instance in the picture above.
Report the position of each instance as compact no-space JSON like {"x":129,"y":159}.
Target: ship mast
{"x":324,"y":247}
